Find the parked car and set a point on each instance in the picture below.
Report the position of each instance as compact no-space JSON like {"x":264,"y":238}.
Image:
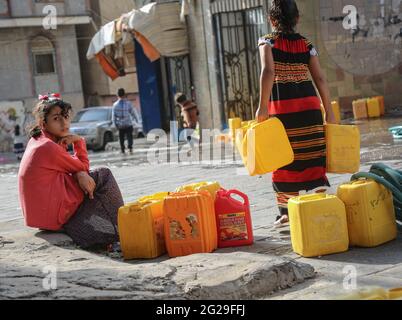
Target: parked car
{"x":96,"y":126}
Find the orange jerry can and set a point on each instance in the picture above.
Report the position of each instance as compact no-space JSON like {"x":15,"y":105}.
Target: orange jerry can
{"x":360,"y":109}
{"x":190,"y":225}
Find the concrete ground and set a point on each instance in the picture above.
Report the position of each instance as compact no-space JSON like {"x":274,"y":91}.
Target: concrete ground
{"x":267,"y":270}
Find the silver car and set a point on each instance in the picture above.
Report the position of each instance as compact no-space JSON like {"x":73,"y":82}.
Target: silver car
{"x":96,"y":126}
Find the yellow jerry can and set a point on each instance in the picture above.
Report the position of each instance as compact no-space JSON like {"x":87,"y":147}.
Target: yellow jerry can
{"x":382,"y":104}
{"x":141,"y":230}
{"x":337,"y":111}
{"x":343,"y":148}
{"x":234,"y":124}
{"x":318,"y":225}
{"x":370,"y":211}
{"x":155,"y":197}
{"x":373,"y":108}
{"x":211,"y":187}
{"x":265,"y":147}
{"x":360,"y":109}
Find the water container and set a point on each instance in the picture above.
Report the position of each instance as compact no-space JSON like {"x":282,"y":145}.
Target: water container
{"x":382,"y":104}
{"x":155,"y":197}
{"x":370,"y":211}
{"x":234,"y":124}
{"x":211,"y":187}
{"x":343,"y":148}
{"x":318,"y":225}
{"x":141,"y":230}
{"x":337,"y":111}
{"x":360,"y":109}
{"x":233,"y":220}
{"x":265,"y":147}
{"x":190,"y":225}
{"x":373,"y":108}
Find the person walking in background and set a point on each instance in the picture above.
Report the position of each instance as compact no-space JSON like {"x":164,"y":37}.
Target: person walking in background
{"x":123,"y":117}
{"x":288,"y":94}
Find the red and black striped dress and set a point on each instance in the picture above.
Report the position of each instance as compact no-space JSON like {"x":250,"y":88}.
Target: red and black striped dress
{"x":294,"y":101}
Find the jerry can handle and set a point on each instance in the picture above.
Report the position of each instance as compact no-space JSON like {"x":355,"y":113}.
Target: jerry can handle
{"x":240,"y":194}
{"x":316,"y":196}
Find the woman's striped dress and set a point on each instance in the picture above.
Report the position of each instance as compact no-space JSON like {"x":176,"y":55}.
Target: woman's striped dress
{"x":295,"y":102}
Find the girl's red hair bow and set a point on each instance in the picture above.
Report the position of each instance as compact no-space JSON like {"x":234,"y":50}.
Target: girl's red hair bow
{"x":51,"y":97}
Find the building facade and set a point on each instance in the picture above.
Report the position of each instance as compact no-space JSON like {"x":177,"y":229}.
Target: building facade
{"x":100,"y":90}
{"x":39,"y":54}
{"x":360,"y":59}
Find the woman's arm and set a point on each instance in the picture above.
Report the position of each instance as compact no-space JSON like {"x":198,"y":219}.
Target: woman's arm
{"x":266,"y":81}
{"x":322,"y":86}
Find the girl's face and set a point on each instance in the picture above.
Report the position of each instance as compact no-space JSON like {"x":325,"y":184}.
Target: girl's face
{"x":57,"y":124}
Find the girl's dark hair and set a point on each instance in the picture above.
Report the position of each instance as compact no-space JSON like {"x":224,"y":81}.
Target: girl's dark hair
{"x":285,"y":14}
{"x":180,"y":98}
{"x":42,"y":111}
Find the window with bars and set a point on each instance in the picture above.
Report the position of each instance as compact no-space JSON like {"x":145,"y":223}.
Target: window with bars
{"x":44,"y":57}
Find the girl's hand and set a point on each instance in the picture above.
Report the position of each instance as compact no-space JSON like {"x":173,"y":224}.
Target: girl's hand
{"x":262,"y":114}
{"x":86,"y":183}
{"x":70,"y":139}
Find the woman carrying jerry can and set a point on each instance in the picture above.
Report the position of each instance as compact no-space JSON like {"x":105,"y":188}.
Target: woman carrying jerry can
{"x":287,"y":93}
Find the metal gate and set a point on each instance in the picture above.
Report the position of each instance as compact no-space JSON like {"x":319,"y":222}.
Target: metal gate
{"x":237,"y":35}
{"x":179,"y":78}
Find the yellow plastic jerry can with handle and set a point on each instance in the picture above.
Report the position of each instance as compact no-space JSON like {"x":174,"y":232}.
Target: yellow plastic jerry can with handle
{"x":343,"y":148}
{"x":337,"y":111}
{"x":211,"y":187}
{"x":360,"y":109}
{"x":318,"y":225}
{"x":381,"y":101}
{"x":155,"y":197}
{"x":373,"y":108}
{"x":141,"y":230}
{"x":234,"y":124}
{"x":265,"y":147}
{"x":370,"y":211}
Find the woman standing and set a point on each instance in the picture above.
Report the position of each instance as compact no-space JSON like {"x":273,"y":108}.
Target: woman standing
{"x":288,"y":94}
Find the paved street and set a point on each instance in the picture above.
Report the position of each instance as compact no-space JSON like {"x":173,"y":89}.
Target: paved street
{"x":136,"y":177}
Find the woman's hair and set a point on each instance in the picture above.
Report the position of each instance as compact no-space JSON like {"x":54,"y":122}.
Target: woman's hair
{"x":42,"y":111}
{"x":285,"y":14}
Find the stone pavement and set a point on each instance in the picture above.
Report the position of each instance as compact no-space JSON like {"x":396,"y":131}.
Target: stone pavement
{"x":266,"y":270}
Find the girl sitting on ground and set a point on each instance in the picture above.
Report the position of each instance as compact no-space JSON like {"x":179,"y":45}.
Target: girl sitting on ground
{"x":57,"y":190}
